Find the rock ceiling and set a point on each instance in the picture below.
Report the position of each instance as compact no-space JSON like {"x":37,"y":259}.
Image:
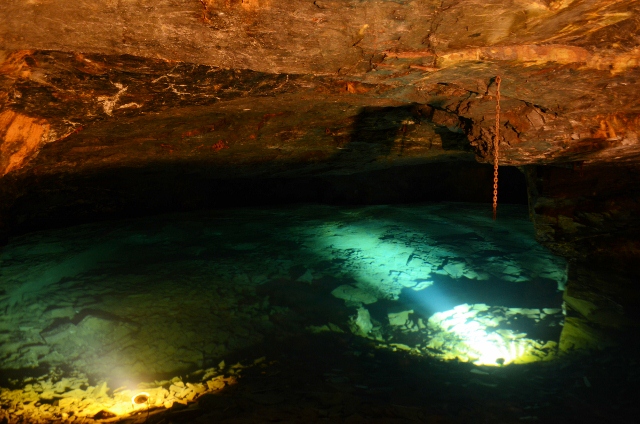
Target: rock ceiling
{"x":90,"y":83}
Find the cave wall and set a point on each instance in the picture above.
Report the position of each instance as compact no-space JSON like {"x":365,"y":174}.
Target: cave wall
{"x":591,"y":216}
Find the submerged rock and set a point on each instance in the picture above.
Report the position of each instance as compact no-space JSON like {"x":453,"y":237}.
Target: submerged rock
{"x":361,"y":324}
{"x":354,"y":294}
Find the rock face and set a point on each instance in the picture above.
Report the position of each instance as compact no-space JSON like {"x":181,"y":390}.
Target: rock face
{"x":568,"y":68}
{"x":108,"y":106}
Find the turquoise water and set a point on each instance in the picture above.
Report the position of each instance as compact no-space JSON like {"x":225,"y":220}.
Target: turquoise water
{"x":131,"y":301}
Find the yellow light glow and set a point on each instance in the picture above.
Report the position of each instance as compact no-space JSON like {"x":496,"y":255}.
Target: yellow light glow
{"x":97,"y":403}
{"x":141,"y":398}
{"x":471,"y":333}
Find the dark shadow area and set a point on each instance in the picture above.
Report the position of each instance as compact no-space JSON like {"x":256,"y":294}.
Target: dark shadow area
{"x":340,"y":378}
{"x":453,"y":140}
{"x":62,"y":200}
{"x":447,"y":292}
{"x":382,"y":126}
{"x":387,"y":128}
{"x":595,"y":209}
{"x":313,"y":303}
{"x":35,"y":199}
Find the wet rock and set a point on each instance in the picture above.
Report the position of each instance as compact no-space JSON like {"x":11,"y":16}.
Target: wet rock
{"x":455,"y":269}
{"x":361,"y":324}
{"x":580,"y":334}
{"x":94,"y":333}
{"x":399,"y":318}
{"x":58,"y":331}
{"x":354,"y":294}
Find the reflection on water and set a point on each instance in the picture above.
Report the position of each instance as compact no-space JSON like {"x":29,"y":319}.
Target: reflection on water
{"x":131,"y":301}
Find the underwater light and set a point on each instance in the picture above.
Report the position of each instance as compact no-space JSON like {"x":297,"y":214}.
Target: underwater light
{"x":494,"y":351}
{"x":473,"y":333}
{"x":140,"y":398}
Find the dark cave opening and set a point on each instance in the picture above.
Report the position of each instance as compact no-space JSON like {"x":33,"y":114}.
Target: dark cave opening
{"x":54,"y":201}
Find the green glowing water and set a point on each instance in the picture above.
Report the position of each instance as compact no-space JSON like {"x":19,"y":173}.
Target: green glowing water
{"x":136,"y":299}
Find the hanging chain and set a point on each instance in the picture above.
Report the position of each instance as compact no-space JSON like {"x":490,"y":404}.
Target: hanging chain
{"x":496,"y":146}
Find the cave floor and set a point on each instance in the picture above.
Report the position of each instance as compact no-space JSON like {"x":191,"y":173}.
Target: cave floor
{"x":297,"y":314}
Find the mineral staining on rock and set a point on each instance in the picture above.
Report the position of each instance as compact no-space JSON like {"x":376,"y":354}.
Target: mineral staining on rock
{"x":22,"y":137}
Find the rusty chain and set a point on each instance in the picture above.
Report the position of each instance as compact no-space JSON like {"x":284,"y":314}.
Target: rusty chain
{"x":496,"y":146}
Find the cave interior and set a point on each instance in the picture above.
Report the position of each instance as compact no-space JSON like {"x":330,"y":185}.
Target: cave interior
{"x":281,"y":210}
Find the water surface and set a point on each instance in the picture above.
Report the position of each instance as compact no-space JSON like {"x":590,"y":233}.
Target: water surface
{"x":135,"y":300}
